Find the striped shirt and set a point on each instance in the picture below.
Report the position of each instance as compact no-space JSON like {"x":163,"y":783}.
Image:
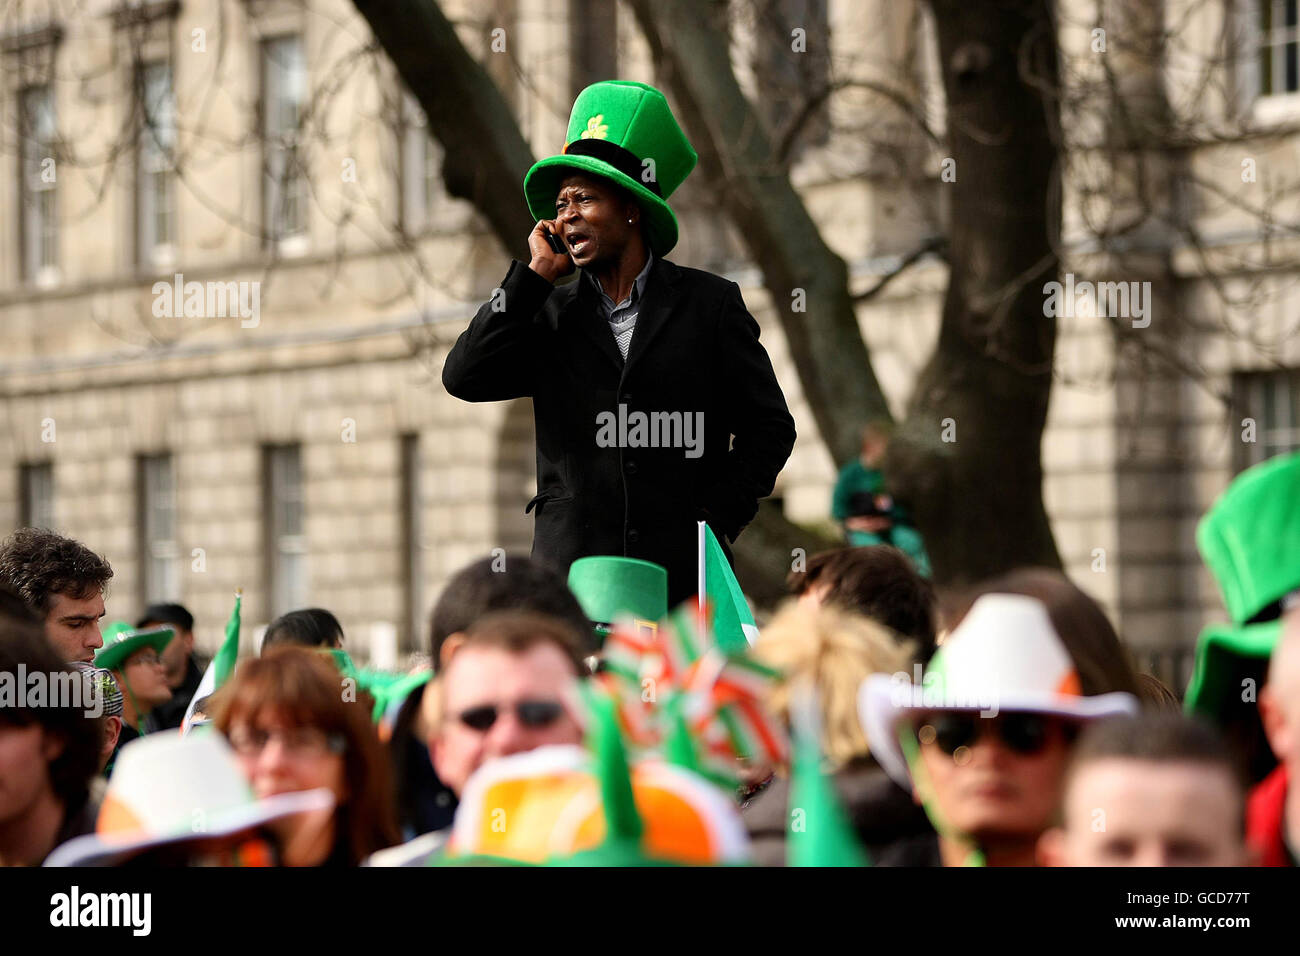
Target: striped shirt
{"x":622,"y":316}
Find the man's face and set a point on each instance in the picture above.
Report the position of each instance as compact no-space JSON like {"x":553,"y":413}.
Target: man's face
{"x":1125,"y":812}
{"x":525,"y":695}
{"x":25,"y":755}
{"x":592,"y":216}
{"x":144,"y":675}
{"x":1279,"y":700}
{"x":72,"y":626}
{"x":990,"y":790}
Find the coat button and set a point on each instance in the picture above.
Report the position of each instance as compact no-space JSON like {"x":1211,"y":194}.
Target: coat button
{"x":632,"y":536}
{"x":630,"y":467}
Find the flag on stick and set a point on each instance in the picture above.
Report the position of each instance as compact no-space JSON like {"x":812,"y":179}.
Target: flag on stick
{"x":733,"y":624}
{"x":221,"y":665}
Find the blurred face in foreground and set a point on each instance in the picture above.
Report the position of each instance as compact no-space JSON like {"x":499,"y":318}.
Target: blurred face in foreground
{"x":1122,"y":811}
{"x":995,"y":779}
{"x":25,"y":755}
{"x":496,"y":702}
{"x":279,"y":756}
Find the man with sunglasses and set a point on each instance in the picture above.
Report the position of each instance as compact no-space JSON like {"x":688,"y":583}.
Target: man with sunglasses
{"x":509,"y":687}
{"x":983,"y":741}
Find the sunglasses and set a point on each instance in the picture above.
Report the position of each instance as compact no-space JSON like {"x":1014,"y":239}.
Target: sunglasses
{"x":533,"y":714}
{"x":1022,"y":733}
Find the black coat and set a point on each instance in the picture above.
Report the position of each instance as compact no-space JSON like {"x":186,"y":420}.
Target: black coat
{"x":695,"y":349}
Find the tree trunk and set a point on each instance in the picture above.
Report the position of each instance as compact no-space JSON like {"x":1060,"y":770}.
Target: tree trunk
{"x":691,"y":49}
{"x":978,"y":495}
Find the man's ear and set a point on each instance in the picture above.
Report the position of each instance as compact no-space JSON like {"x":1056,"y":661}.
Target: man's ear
{"x":112,"y":733}
{"x":450,"y":646}
{"x":1051,"y":847}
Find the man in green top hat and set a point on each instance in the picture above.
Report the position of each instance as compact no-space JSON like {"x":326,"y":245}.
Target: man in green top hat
{"x":642,"y":371}
{"x":1250,"y":541}
{"x":1247,"y":672}
{"x":135,"y":659}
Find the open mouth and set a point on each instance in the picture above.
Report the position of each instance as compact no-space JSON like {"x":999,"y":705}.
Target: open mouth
{"x":578,"y":243}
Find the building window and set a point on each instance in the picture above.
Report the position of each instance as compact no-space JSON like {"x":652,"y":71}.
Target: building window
{"x":36,"y":485}
{"x":159,"y":551}
{"x":1279,"y":44}
{"x":39,"y":212}
{"x":413,"y":540}
{"x":1271,"y":400}
{"x":284,"y":85}
{"x":155,"y":193}
{"x":286,"y":543}
{"x":419,"y":168}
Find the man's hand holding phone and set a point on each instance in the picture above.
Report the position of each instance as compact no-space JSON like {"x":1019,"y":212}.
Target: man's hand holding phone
{"x":550,"y":256}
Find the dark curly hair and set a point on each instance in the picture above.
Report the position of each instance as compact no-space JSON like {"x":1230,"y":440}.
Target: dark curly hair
{"x":38,"y":564}
{"x":22,"y":643}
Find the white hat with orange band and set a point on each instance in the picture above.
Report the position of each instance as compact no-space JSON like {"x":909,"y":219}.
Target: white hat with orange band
{"x":1005,"y":655}
{"x":169,"y":789}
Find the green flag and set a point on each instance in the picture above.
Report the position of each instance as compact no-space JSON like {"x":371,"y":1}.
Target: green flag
{"x":224,"y":663}
{"x":820,"y":834}
{"x":220,"y":666}
{"x":733,"y":624}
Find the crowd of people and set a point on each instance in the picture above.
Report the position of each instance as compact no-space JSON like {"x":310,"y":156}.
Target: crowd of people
{"x":1003,"y":725}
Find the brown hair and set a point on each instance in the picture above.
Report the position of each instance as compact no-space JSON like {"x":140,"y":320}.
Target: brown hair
{"x":1156,"y":695}
{"x":879,"y":582}
{"x":520,"y":631}
{"x":1084,"y":629}
{"x":304,"y":688}
{"x":38,"y":564}
{"x":1159,"y":737}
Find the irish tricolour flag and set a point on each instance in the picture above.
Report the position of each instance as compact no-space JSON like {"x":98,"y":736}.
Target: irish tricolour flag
{"x":733,"y":625}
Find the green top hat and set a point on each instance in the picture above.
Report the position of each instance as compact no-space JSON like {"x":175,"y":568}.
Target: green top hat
{"x":1250,"y":540}
{"x":121,"y":641}
{"x":625,"y":132}
{"x":608,"y":587}
{"x":1250,"y":537}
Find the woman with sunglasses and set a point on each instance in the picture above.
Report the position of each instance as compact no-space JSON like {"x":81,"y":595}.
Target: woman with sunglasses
{"x":293,"y":727}
{"x":984,"y":739}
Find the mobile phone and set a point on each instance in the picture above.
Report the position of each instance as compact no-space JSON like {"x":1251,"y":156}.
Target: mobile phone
{"x":556,"y":243}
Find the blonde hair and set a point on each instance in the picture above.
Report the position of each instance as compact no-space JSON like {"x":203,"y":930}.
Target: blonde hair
{"x":835,"y":651}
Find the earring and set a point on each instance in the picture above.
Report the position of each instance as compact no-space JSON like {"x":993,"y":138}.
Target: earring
{"x":629,"y":222}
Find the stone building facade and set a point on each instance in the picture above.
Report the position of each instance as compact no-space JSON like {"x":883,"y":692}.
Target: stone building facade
{"x":290,"y":435}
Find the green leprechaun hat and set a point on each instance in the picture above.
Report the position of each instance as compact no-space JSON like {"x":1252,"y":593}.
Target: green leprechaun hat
{"x":625,"y":132}
{"x":1250,"y":541}
{"x":609,"y":587}
{"x":121,"y":640}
